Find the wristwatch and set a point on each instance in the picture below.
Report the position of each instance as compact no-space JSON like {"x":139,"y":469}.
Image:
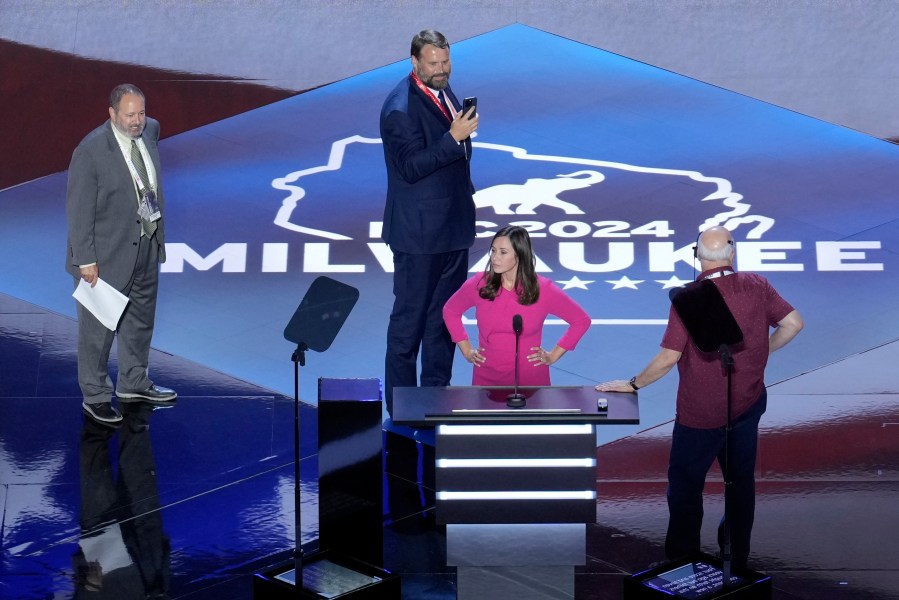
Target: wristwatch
{"x":633,"y":384}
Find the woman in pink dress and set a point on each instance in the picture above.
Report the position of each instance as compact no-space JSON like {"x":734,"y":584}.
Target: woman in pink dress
{"x":510,"y":286}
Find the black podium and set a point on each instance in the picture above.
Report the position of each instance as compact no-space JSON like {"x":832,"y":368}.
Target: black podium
{"x":350,"y":473}
{"x":350,"y":499}
{"x":515,"y":486}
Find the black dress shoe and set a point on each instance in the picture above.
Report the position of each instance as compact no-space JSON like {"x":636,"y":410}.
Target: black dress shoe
{"x":103,"y":412}
{"x":153,"y":394}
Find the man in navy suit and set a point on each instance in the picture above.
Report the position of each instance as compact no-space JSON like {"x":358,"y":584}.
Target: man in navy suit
{"x":115,"y":207}
{"x":430,"y":214}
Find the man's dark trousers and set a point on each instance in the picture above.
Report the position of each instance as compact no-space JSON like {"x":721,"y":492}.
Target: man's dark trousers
{"x":414,"y":323}
{"x":692,"y":453}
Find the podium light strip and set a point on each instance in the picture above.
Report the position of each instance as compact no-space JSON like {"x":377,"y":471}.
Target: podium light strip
{"x":583,"y":429}
{"x":519,"y":495}
{"x":476,"y":463}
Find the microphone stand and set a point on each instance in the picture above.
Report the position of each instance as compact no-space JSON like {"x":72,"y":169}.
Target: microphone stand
{"x":516,"y":400}
{"x":313,"y":326}
{"x":299,"y":359}
{"x":727,"y":363}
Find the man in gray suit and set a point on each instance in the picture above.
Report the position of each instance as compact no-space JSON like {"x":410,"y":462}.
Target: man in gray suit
{"x":115,"y":207}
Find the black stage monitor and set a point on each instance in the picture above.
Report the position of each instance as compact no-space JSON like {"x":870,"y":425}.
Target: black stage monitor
{"x":699,"y":577}
{"x":706,"y":316}
{"x":321,"y":314}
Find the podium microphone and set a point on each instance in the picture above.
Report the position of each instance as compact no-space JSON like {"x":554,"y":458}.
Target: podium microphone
{"x":516,"y":400}
{"x":517,"y":325}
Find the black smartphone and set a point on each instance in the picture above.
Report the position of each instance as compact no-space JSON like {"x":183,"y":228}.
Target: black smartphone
{"x":470,"y":106}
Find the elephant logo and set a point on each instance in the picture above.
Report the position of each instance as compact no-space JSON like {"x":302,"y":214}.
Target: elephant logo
{"x":535,"y":193}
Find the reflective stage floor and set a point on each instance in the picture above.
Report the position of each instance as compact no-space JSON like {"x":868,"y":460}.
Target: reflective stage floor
{"x":194,"y":499}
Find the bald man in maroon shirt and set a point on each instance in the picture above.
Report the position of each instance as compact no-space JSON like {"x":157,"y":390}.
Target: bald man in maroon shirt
{"x":701,"y":414}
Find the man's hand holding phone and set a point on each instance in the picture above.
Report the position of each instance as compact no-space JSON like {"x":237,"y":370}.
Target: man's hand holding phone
{"x":466,"y":121}
{"x":470,"y":106}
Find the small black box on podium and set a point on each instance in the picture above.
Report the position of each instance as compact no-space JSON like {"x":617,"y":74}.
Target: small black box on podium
{"x":698,"y":577}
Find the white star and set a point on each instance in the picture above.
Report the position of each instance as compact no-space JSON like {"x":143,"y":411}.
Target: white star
{"x":674,"y":282}
{"x":574,"y":282}
{"x":625,"y":282}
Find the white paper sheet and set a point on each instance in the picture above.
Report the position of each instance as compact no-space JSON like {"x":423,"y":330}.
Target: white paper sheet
{"x":104,"y":301}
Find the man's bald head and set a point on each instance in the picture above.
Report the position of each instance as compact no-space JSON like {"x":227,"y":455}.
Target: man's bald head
{"x":716,"y":245}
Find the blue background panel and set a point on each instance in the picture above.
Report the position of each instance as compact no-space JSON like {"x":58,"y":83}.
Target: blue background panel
{"x":262,"y":203}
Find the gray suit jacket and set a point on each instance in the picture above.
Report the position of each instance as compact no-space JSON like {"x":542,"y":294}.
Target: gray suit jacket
{"x":101,"y":205}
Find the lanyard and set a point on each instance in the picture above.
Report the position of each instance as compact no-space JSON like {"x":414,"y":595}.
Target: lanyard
{"x":140,"y":184}
{"x":720,"y":272}
{"x":431,"y":95}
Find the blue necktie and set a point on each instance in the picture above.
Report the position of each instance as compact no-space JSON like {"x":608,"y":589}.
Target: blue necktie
{"x":442,"y":97}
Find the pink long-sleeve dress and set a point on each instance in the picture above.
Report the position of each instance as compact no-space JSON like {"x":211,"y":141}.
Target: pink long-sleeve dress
{"x":497,"y":338}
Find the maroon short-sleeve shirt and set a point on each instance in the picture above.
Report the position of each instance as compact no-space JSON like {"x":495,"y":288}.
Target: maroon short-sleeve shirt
{"x":702,"y":391}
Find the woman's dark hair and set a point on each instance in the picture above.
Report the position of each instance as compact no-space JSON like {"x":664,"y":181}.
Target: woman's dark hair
{"x":526,"y":285}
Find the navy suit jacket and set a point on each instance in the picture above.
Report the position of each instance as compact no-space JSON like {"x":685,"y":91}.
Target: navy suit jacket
{"x":101,"y":204}
{"x":429,"y":206}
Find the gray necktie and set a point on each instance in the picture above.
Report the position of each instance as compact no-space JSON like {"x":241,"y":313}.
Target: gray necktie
{"x":149,"y":227}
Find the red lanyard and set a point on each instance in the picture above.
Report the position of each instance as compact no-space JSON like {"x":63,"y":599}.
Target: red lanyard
{"x":431,"y":95}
